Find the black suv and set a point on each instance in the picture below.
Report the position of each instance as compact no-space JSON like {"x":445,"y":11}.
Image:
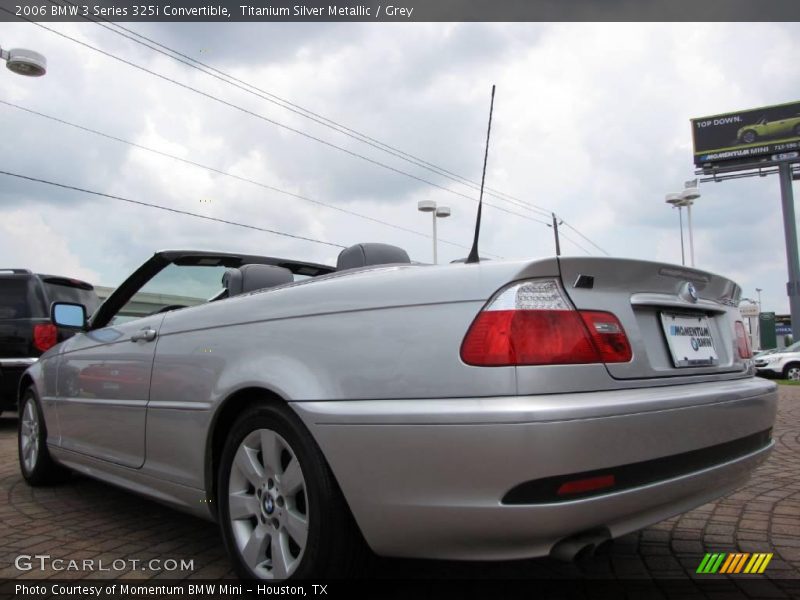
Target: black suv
{"x":25,"y":327}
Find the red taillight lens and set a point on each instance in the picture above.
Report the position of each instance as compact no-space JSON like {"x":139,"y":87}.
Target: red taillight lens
{"x":45,"y":336}
{"x":743,"y":341}
{"x":527,"y":337}
{"x":531,"y":323}
{"x":608,"y":335}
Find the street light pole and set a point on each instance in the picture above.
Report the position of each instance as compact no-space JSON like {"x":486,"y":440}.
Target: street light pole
{"x":435,"y":253}
{"x":758,"y":291}
{"x":689,"y":195}
{"x":437,"y":212}
{"x":678,"y":202}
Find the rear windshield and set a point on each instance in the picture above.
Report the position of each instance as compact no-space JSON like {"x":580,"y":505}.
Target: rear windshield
{"x":59,"y":290}
{"x":19,"y":299}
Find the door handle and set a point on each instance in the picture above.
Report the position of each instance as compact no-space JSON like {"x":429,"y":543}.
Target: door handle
{"x":145,"y":335}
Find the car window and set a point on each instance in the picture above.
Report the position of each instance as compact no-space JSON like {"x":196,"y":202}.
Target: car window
{"x":177,"y":286}
{"x":18,"y":299}
{"x":793,"y":348}
{"x":59,"y":290}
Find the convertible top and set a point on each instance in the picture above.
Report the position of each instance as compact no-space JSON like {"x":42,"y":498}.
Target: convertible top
{"x":231,"y":260}
{"x":209,"y":258}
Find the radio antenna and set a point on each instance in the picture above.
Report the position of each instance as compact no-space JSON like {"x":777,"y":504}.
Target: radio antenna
{"x":473,"y":253}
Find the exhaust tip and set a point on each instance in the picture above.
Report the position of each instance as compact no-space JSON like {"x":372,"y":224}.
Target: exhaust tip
{"x":580,"y":545}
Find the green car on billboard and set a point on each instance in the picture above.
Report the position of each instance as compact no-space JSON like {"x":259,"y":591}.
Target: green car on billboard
{"x":769,"y":129}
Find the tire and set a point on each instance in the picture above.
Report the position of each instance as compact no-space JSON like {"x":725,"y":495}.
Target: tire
{"x":35,"y":462}
{"x":749,"y":136}
{"x":792,"y":372}
{"x":288,"y":519}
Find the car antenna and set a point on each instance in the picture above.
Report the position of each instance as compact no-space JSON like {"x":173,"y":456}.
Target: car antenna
{"x":473,"y":253}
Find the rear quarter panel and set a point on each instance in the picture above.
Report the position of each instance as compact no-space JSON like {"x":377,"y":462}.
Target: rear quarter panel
{"x":378,"y":334}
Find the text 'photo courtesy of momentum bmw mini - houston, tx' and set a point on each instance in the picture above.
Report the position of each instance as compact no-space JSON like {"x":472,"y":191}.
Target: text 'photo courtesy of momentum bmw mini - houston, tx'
{"x":297,"y":297}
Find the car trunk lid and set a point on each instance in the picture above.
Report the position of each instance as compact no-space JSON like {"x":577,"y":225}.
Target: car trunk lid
{"x":679,"y":321}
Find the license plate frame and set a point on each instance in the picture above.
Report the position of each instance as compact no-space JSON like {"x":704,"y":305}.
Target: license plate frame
{"x":690,"y":339}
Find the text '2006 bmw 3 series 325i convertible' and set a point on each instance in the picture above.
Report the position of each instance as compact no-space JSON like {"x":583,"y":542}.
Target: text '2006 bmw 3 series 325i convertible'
{"x":495,"y":410}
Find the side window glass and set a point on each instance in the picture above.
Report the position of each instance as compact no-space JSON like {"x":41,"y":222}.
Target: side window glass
{"x":173,"y":288}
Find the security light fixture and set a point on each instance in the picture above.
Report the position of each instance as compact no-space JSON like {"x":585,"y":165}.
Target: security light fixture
{"x":24,"y":62}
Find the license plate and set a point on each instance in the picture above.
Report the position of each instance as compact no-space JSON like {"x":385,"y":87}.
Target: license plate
{"x":689,"y":339}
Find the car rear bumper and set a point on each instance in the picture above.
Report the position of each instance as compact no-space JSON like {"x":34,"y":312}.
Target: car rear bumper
{"x":427,"y":478}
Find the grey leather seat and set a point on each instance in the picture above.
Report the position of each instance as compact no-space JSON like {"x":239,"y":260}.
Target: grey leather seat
{"x":249,"y":278}
{"x":364,"y":255}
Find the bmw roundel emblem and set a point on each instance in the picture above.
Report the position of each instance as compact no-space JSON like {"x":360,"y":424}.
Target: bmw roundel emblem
{"x":689,"y":292}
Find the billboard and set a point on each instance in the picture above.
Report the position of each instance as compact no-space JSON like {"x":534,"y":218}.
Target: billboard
{"x":746,"y":136}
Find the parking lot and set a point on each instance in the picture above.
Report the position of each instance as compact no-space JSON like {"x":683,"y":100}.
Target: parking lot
{"x":86,"y":520}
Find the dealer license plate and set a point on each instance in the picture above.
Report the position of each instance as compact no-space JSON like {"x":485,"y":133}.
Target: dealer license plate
{"x":689,"y":339}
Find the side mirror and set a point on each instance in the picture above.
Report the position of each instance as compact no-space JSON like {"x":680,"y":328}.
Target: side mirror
{"x":68,"y":315}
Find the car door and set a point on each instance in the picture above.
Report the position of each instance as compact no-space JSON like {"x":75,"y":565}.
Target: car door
{"x":777,"y":128}
{"x":103,"y":386}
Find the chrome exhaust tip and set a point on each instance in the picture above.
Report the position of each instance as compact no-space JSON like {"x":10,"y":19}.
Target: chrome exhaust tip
{"x":580,"y":545}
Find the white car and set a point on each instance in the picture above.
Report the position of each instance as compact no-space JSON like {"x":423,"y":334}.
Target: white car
{"x":784,"y":363}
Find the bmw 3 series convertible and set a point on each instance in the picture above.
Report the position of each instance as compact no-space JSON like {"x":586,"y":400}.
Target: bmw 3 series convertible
{"x":480,"y":411}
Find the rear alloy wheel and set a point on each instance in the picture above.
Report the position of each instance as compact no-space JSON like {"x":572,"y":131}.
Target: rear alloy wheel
{"x":749,"y":136}
{"x":792,"y":372}
{"x":281,"y":512}
{"x":35,"y":462}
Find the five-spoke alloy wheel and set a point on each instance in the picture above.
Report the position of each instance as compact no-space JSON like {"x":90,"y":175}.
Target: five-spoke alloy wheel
{"x":29,"y":436}
{"x":280,"y":509}
{"x":34,"y":459}
{"x":267,"y":504}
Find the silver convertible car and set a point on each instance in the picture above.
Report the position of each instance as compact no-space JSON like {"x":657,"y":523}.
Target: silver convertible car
{"x":496,"y":410}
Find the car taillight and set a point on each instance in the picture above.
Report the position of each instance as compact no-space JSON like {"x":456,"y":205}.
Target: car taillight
{"x":743,"y":341}
{"x":45,"y":336}
{"x":532,"y":323}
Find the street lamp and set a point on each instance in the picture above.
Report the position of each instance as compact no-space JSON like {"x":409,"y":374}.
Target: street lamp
{"x":689,"y":195}
{"x":685,"y":198}
{"x":436,"y":212}
{"x":758,"y":291}
{"x":675,"y":200}
{"x":24,"y":62}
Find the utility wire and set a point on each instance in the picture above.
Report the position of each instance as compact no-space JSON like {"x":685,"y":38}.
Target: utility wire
{"x":297,"y":109}
{"x":227,"y":174}
{"x":168,"y":209}
{"x":585,"y":238}
{"x":322,"y":120}
{"x":272,"y":121}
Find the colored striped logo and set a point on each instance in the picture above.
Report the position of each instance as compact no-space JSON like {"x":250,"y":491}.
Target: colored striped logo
{"x":743,"y":562}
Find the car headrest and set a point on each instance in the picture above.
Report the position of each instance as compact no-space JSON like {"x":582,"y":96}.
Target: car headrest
{"x":363,"y":255}
{"x":249,"y":278}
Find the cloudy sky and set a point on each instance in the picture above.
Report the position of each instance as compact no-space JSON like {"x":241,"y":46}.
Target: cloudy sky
{"x":591,"y":121}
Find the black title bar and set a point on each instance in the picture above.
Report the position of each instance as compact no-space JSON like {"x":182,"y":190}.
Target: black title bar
{"x":402,"y":10}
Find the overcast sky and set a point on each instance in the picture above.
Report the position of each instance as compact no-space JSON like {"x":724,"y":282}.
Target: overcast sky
{"x":591,"y":120}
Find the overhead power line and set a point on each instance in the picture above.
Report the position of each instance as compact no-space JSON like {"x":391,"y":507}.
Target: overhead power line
{"x":272,"y":121}
{"x":168,"y":209}
{"x":193,"y":63}
{"x":320,"y":119}
{"x":227,"y":174}
{"x":584,"y":237}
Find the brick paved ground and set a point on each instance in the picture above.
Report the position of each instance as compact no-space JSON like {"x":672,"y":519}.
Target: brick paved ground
{"x":84,"y":519}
